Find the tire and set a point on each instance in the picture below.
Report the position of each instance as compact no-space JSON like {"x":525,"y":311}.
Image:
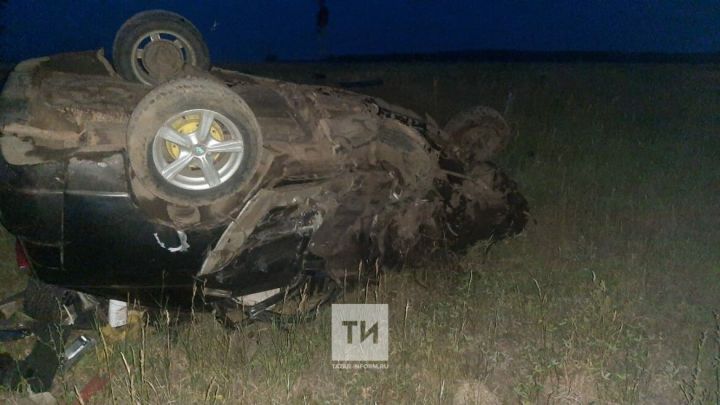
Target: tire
{"x":166,"y":41}
{"x":477,"y":135}
{"x":175,"y":163}
{"x":44,"y":302}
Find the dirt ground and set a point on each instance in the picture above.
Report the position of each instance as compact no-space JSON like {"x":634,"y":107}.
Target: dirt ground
{"x":610,"y":296}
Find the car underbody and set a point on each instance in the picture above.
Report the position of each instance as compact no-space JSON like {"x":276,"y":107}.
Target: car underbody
{"x":342,"y":180}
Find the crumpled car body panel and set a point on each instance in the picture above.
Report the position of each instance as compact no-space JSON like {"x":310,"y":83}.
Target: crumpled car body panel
{"x":344,"y":180}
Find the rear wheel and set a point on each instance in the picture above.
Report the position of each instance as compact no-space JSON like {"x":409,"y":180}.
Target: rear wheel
{"x":153,"y":46}
{"x":192,"y":141}
{"x":477,"y":135}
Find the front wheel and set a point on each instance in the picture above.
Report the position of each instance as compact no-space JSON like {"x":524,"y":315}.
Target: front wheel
{"x":477,"y":135}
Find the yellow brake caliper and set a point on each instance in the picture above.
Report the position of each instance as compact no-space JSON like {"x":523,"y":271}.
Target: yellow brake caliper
{"x":186,"y":125}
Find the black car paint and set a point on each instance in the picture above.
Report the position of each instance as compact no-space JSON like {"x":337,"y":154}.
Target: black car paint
{"x":73,"y":219}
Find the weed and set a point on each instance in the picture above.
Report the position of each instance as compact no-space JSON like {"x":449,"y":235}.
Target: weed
{"x":602,"y":299}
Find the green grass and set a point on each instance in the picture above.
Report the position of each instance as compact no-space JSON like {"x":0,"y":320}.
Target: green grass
{"x":608,"y":297}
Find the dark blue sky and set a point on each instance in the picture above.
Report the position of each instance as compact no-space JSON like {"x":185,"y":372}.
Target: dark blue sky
{"x":249,"y":30}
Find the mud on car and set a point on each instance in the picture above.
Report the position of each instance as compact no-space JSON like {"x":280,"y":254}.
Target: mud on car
{"x":160,"y":179}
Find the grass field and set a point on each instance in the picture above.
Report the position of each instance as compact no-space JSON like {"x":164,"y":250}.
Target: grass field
{"x":610,"y":296}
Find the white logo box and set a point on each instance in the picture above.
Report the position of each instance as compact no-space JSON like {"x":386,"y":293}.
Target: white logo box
{"x":360,"y":332}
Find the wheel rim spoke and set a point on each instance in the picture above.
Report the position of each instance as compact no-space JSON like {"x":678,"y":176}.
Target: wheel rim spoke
{"x":227,"y":147}
{"x":155,"y":37}
{"x":172,"y":170}
{"x":171,"y":135}
{"x":206,"y":120}
{"x":187,"y":155}
{"x":209,"y":171}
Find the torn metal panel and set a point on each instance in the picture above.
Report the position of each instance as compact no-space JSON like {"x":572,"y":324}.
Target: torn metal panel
{"x":233,"y":240}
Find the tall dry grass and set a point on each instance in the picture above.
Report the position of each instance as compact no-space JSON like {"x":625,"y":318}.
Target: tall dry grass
{"x":608,"y":297}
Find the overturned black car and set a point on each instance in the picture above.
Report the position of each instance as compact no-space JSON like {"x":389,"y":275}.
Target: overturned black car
{"x":161,"y":180}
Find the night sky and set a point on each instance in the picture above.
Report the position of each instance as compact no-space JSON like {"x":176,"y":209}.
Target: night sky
{"x":248,"y":30}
